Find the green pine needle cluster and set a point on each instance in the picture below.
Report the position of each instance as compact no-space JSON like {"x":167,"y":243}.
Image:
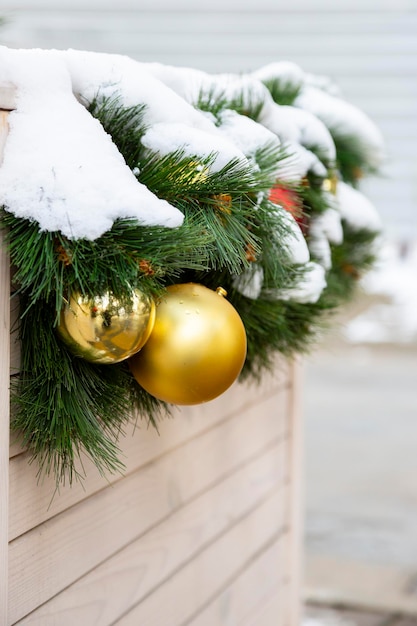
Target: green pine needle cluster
{"x":352,"y":154}
{"x":352,"y":157}
{"x":244,"y":102}
{"x":282,"y":90}
{"x":351,"y":259}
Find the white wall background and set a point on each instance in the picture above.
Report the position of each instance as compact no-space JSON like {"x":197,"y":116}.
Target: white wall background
{"x":369,"y":47}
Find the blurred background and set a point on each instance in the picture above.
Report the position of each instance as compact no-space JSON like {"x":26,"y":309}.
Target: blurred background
{"x":360,"y":383}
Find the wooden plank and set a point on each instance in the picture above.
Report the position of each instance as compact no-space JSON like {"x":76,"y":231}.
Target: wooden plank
{"x":15,"y":448}
{"x":274,"y":611}
{"x":397,"y":51}
{"x":147,"y":37}
{"x":4,"y":129}
{"x":138,"y":569}
{"x":291,"y":27}
{"x":227,"y":59}
{"x":232,"y":399}
{"x":397,"y":129}
{"x":4,"y":403}
{"x":350,"y":582}
{"x":99,"y":526}
{"x":324,"y":614}
{"x":194,"y":416}
{"x":31,"y":503}
{"x":7,"y":96}
{"x":169,"y":429}
{"x":14,"y":342}
{"x":247,"y":595}
{"x":325,"y":6}
{"x":296,"y":495}
{"x":204,"y":577}
{"x":360,"y":87}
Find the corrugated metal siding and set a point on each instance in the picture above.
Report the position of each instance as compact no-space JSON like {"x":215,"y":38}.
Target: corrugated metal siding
{"x":369,"y":47}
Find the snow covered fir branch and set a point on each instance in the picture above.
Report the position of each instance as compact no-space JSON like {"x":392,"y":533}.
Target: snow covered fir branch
{"x":127,"y":188}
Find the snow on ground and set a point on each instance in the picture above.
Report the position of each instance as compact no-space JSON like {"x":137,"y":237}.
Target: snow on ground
{"x":393,"y":283}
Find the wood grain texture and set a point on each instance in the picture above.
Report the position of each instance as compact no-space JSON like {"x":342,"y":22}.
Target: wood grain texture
{"x":296,"y":494}
{"x":7,"y":96}
{"x":175,"y":601}
{"x":31,"y":503}
{"x":4,"y":401}
{"x":14,"y":342}
{"x":105,"y":593}
{"x":192,"y":419}
{"x":4,"y":130}
{"x":275,"y":610}
{"x":106,"y":522}
{"x":245,"y":597}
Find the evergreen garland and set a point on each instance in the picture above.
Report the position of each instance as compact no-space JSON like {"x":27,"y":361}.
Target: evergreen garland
{"x":65,"y":405}
{"x":263,"y":233}
{"x":353,"y":161}
{"x":354,"y":255}
{"x":293,"y":326}
{"x":350,"y":261}
{"x":352,"y":157}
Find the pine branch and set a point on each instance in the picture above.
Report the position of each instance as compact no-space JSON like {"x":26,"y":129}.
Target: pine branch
{"x":313,"y":199}
{"x":350,"y":261}
{"x":215,"y":101}
{"x":63,"y":404}
{"x":353,"y":160}
{"x":283,"y":91}
{"x":126,"y":257}
{"x":125,"y":124}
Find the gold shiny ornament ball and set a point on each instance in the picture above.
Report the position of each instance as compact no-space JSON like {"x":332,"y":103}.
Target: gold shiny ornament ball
{"x":330,"y":183}
{"x":105,"y":329}
{"x":197,"y":347}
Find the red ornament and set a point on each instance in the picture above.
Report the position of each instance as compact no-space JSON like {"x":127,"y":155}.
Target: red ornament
{"x":290,"y":201}
{"x":287,"y":198}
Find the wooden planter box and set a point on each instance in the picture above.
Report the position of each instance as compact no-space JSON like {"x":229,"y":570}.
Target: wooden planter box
{"x":203,"y":529}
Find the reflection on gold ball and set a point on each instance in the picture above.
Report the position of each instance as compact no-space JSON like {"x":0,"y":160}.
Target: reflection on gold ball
{"x":197,"y":347}
{"x":330,"y":183}
{"x":104,"y":329}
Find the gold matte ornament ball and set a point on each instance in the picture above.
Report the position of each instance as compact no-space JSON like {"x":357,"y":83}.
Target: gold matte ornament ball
{"x":197,"y":347}
{"x":104,"y":329}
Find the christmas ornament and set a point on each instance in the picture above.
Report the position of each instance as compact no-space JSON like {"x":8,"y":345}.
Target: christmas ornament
{"x":330,"y":184}
{"x":105,"y":329}
{"x":197,"y":347}
{"x":290,"y":200}
{"x":287,"y":198}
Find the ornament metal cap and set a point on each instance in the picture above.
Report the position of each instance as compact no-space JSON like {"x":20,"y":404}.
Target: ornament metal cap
{"x":221,"y":292}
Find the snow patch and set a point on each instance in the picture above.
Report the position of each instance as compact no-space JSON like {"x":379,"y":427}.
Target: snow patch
{"x":356,"y":209}
{"x":60,"y":168}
